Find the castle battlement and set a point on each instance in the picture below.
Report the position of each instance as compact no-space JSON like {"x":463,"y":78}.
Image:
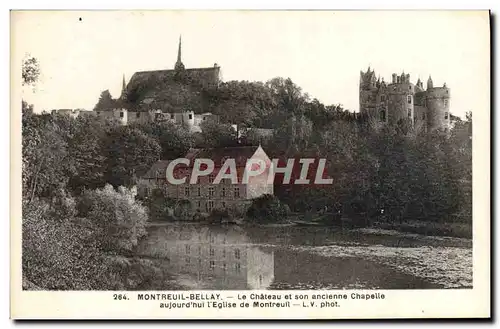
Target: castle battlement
{"x":403,"y":100}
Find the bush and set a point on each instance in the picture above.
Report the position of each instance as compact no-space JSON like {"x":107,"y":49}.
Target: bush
{"x":268,"y":208}
{"x":119,"y":218}
{"x":183,"y":210}
{"x":58,"y":255}
{"x":219,"y":216}
{"x":160,"y":207}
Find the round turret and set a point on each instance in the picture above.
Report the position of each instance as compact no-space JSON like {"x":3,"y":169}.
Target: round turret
{"x":401,"y":100}
{"x":438,"y":108}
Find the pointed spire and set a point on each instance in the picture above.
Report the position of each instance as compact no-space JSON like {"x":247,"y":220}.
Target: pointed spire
{"x":178,"y":64}
{"x":179,"y":51}
{"x":430,"y":83}
{"x":124,"y":85}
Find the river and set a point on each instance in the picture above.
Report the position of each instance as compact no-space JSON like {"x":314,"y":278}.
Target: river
{"x":205,"y":257}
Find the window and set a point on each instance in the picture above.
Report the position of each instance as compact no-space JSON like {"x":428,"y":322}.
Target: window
{"x":212,"y":252}
{"x":409,"y":99}
{"x":210,"y":205}
{"x":236,"y":192}
{"x":223,"y":192}
{"x":212,"y":264}
{"x":199,"y":204}
{"x":382,"y":98}
{"x":157,"y":116}
{"x":211,"y":191}
{"x":446,"y":115}
{"x":198,"y":191}
{"x":237,"y":267}
{"x":121,"y":114}
{"x":138,"y":115}
{"x":199,"y":250}
{"x":237,"y":254}
{"x":382,"y":115}
{"x":224,"y":266}
{"x":409,"y":113}
{"x":223,"y":204}
{"x":260,"y":279}
{"x":188,"y":260}
{"x":445,"y":102}
{"x":188,"y":249}
{"x":172,"y":116}
{"x":204,"y":120}
{"x":211,"y":178}
{"x":186,"y":191}
{"x":223,"y":253}
{"x":423,"y":116}
{"x":409,"y":87}
{"x":190,"y":116}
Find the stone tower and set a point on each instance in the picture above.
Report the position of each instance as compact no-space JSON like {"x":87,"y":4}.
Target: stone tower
{"x":400,"y":94}
{"x":438,"y":107}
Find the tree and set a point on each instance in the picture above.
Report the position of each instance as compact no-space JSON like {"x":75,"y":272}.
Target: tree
{"x":217,"y":135}
{"x":174,"y":139}
{"x":87,"y":152}
{"x":267,"y":208}
{"x":58,"y":255}
{"x":105,"y":102}
{"x":120,"y":219}
{"x":46,"y":161}
{"x":30,"y":71}
{"x":288,"y":96}
{"x":130,"y":153}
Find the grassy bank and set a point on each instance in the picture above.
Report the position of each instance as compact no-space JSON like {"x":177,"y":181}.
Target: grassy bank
{"x":459,"y":230}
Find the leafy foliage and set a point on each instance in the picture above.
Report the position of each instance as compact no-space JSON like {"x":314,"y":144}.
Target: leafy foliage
{"x":106,"y":101}
{"x":30,"y":70}
{"x":120,"y":219}
{"x":267,"y":208}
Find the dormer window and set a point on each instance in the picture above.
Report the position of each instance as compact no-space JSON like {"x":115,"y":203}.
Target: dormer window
{"x":190,"y":116}
{"x":121,"y":114}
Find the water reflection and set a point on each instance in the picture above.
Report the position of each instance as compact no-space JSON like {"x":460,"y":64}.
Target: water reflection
{"x":212,"y":258}
{"x":233,"y":258}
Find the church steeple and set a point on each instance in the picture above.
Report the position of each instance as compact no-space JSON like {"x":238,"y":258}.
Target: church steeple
{"x":178,"y":64}
{"x":124,"y":85}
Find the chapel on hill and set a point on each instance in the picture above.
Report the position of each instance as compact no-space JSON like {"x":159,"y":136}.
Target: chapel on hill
{"x":173,"y":90}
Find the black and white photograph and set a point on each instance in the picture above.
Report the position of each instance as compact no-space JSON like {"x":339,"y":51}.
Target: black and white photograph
{"x":255,"y":151}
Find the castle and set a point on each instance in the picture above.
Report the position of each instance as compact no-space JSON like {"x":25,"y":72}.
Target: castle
{"x":399,"y":100}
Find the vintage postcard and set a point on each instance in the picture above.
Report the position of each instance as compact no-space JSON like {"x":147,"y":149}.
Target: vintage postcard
{"x":250,"y":164}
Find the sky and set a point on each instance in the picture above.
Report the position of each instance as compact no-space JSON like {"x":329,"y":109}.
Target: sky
{"x":83,"y":53}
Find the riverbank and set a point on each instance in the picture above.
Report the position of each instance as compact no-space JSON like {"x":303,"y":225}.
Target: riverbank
{"x":449,"y":267}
